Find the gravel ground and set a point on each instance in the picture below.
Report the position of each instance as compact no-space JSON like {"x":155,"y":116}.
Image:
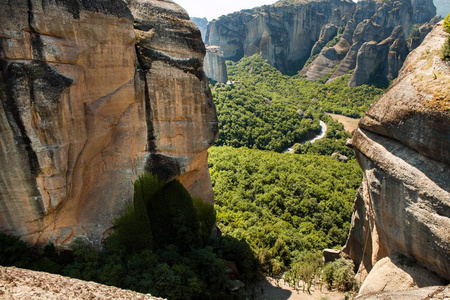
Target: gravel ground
{"x":21,"y":284}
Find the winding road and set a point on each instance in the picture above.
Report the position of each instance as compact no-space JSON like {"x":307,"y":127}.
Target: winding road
{"x":321,"y":135}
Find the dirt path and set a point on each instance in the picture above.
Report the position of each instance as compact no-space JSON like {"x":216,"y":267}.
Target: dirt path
{"x":350,"y":124}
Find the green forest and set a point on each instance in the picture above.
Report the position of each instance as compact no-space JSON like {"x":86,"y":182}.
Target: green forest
{"x":284,"y":206}
{"x":275,"y":212}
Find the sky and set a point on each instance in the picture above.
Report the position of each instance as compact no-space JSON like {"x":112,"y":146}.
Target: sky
{"x":212,"y":9}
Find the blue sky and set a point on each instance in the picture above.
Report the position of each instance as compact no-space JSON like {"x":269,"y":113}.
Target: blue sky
{"x":212,"y":9}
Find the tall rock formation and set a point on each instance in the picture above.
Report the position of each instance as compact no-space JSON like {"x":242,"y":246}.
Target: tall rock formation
{"x":374,"y":43}
{"x":82,"y":114}
{"x":284,"y":32}
{"x":215,"y":67}
{"x":329,"y":35}
{"x":402,"y":210}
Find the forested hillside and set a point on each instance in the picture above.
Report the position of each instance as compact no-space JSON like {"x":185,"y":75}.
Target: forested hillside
{"x":284,"y":206}
{"x":287,"y":207}
{"x":267,"y":110}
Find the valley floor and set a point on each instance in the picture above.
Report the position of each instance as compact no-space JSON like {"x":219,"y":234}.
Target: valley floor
{"x":350,"y":124}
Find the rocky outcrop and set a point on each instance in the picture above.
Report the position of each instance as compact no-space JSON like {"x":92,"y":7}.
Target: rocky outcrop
{"x":374,"y":43}
{"x":214,"y":65}
{"x":429,"y":293}
{"x":284,"y":33}
{"x":23,"y":284}
{"x":328,"y":35}
{"x":377,"y":62}
{"x":419,"y":33}
{"x":402,"y":209}
{"x":83,"y":113}
{"x":398,"y":273}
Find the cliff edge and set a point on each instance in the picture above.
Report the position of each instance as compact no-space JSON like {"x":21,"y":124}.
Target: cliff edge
{"x":400,"y":226}
{"x":92,"y":93}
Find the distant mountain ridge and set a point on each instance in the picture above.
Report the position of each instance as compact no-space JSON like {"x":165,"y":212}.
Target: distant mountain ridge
{"x":330,"y":35}
{"x":202,"y":24}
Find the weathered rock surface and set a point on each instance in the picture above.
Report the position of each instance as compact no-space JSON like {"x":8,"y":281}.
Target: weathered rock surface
{"x":181,"y":117}
{"x":402,"y":145}
{"x":23,"y":284}
{"x":418,"y":35}
{"x":82,"y":114}
{"x":429,"y":293}
{"x":365,"y":48}
{"x":284,"y":32}
{"x":214,"y":65}
{"x":326,"y":34}
{"x":398,"y":274}
{"x":380,"y":61}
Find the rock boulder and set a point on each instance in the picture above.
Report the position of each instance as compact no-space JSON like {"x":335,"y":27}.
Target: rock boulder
{"x":402,"y":145}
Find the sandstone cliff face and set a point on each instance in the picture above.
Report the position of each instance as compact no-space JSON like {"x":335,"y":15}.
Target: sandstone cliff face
{"x":330,"y":35}
{"x":284,"y":33}
{"x":215,"y":67}
{"x":403,"y":146}
{"x":82,"y":114}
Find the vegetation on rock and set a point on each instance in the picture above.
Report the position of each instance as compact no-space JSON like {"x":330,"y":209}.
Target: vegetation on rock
{"x":160,"y":246}
{"x":446,"y":48}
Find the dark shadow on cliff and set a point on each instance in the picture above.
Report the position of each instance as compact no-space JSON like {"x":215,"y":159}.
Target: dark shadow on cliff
{"x":437,"y":172}
{"x":421,"y":275}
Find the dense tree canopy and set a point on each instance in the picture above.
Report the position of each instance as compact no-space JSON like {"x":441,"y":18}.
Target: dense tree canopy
{"x":282,"y":204}
{"x":267,"y":110}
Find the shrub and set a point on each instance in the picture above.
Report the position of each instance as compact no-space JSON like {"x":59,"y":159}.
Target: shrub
{"x":238,"y":251}
{"x":447,"y":23}
{"x":207,"y":218}
{"x":164,"y":214}
{"x":13,"y":251}
{"x":446,"y":49}
{"x":339,"y":274}
{"x":132,"y":229}
{"x":305,"y":269}
{"x":173,"y":218}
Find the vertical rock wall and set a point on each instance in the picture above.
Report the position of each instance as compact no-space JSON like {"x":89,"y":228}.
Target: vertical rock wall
{"x":81,"y":117}
{"x":373,"y":43}
{"x":215,"y":67}
{"x":284,"y":32}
